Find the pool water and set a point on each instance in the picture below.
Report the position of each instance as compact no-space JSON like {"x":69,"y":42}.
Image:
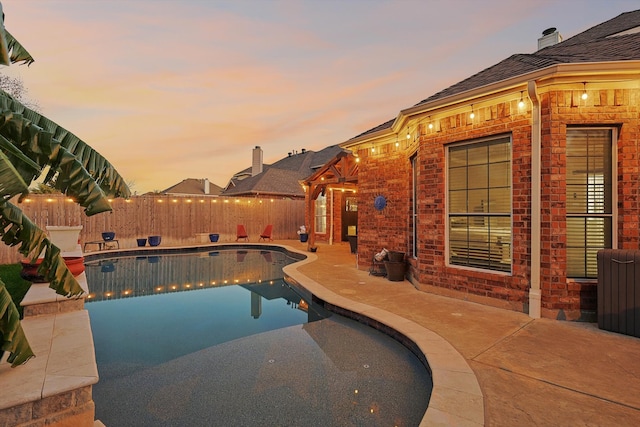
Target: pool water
{"x":218,"y":338}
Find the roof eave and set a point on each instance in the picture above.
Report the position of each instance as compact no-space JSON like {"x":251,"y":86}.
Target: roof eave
{"x":631,"y":67}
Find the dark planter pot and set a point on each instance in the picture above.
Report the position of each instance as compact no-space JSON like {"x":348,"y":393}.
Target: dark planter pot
{"x":313,"y":249}
{"x":395,"y":256}
{"x":154,"y":240}
{"x":304,"y":237}
{"x":142,"y":242}
{"x":213,"y":237}
{"x":107,"y":268}
{"x":30,"y":271}
{"x":395,"y":270}
{"x":108,"y":236}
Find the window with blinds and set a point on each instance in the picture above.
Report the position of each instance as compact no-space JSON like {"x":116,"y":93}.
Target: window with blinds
{"x":321,"y":214}
{"x":414,"y":205}
{"x":589,"y":186}
{"x":479,"y":204}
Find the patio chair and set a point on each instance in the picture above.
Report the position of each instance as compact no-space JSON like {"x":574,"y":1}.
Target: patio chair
{"x":241,"y":233}
{"x":266,"y":234}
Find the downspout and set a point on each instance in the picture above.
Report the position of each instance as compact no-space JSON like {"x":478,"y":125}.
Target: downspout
{"x":535,"y":295}
{"x":331,"y":219}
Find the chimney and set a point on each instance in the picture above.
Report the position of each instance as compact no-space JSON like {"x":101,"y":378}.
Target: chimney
{"x":207,"y":189}
{"x":256,"y":165}
{"x":550,"y":36}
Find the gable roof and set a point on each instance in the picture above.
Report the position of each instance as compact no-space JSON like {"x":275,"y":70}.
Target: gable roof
{"x":282,"y":178}
{"x":601,"y":43}
{"x":193,"y":186}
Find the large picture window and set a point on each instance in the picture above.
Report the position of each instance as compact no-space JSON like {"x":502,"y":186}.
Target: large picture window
{"x":479,"y":204}
{"x":321,"y":214}
{"x":589,"y":186}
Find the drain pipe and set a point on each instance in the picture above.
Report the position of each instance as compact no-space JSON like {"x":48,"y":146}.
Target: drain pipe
{"x":535,"y":296}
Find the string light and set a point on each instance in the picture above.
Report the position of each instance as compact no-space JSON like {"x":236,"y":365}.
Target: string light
{"x":408,"y":133}
{"x":472,"y":115}
{"x":521,"y":103}
{"x":584,"y":91}
{"x":430,"y":123}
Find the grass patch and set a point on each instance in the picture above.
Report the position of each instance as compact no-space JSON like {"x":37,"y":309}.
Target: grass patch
{"x":16,"y":285}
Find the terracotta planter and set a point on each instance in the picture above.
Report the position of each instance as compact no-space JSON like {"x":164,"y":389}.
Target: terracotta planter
{"x":30,"y":271}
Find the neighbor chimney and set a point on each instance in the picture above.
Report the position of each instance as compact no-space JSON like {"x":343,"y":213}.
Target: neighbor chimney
{"x":256,"y":166}
{"x":206,"y":186}
{"x":550,"y":36}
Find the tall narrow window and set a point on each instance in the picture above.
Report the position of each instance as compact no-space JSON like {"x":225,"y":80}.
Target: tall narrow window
{"x":479,"y":204}
{"x":589,"y":186}
{"x":321,"y":214}
{"x":414,"y":205}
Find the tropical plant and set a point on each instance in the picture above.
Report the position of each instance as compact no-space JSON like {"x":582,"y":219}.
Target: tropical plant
{"x":34,"y":147}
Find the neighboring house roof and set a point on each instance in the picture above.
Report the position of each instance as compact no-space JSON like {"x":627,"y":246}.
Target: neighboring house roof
{"x":193,"y":186}
{"x":283,"y":177}
{"x":615,"y":40}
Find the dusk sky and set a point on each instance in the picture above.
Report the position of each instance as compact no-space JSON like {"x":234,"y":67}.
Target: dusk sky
{"x":175,"y":89}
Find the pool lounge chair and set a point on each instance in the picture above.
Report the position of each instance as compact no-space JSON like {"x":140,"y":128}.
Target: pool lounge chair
{"x":241,"y":233}
{"x":266,"y":234}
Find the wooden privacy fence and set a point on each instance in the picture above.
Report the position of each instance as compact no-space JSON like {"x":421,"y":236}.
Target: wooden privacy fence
{"x":179,"y":220}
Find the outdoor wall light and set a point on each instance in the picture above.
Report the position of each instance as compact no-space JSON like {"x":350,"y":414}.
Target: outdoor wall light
{"x":584,"y":90}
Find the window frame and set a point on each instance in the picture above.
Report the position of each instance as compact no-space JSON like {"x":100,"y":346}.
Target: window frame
{"x":320,"y":202}
{"x":414,"y":204}
{"x":612,"y":216}
{"x":448,"y":214}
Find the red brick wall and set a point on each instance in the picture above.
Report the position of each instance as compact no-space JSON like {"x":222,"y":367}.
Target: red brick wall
{"x":563,"y":297}
{"x":387,"y":172}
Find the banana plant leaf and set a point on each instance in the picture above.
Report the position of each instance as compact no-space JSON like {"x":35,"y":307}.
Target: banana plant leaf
{"x":12,"y":337}
{"x":18,"y":52}
{"x":16,"y":229}
{"x":42,"y":140}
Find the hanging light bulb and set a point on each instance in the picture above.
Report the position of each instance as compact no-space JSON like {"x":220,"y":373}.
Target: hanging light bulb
{"x":430,"y":123}
{"x":584,"y":91}
{"x":408,"y":134}
{"x":521,"y":103}
{"x":397,"y":143}
{"x":472,"y":115}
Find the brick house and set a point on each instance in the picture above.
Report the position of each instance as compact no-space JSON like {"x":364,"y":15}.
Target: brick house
{"x":502,"y":188}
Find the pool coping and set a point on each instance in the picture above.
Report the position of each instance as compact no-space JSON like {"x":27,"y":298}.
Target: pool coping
{"x":456,"y":397}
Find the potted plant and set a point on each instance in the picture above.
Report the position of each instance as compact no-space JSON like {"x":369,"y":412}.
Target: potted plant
{"x":302,"y":232}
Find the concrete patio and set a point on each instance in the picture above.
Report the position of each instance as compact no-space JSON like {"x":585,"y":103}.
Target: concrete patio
{"x":531,"y":371}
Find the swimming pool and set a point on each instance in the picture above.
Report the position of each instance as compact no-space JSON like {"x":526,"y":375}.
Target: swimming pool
{"x":218,"y":338}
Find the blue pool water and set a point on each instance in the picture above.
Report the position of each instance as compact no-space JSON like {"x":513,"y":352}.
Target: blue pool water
{"x":219,"y":338}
